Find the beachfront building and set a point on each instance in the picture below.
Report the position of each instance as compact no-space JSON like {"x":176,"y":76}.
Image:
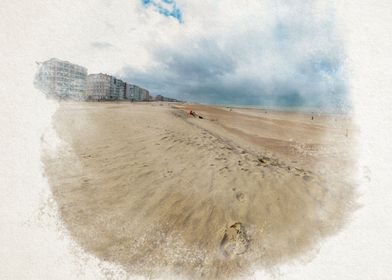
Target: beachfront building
{"x":136,"y":93}
{"x":128,"y":91}
{"x":119,"y":89}
{"x":163,"y":98}
{"x":64,"y":80}
{"x":61,"y":79}
{"x":99,"y":86}
{"x":158,"y":98}
{"x":144,"y":95}
{"x":105,"y":87}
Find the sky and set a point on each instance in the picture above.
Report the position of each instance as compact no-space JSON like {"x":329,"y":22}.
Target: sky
{"x":254,"y":52}
{"x":271,"y":53}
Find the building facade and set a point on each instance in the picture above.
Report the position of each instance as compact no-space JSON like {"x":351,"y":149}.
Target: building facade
{"x":61,"y":79}
{"x":136,"y":93}
{"x":100,"y":87}
{"x":119,"y":89}
{"x":158,"y":97}
{"x":145,"y":95}
{"x":105,"y":87}
{"x":163,"y":98}
{"x":65,"y":80}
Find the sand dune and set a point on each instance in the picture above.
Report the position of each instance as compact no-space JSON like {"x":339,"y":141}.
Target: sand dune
{"x":155,"y":190}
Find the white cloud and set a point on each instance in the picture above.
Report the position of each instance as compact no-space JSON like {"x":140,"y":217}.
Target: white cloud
{"x":275,"y":51}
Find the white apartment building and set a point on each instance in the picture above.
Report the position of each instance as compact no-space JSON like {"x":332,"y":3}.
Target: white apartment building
{"x":105,"y":87}
{"x":100,"y":87}
{"x":61,"y":79}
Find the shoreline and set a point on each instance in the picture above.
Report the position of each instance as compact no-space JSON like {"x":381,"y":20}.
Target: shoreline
{"x":305,"y":110}
{"x":276,"y":109}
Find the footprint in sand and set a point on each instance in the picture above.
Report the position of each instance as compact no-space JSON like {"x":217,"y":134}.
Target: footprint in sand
{"x":307,"y":178}
{"x":240,"y":196}
{"x":235,"y":241}
{"x":87,"y":156}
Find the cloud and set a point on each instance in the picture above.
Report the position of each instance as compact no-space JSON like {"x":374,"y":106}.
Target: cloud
{"x":279,"y":55}
{"x":101,"y":45}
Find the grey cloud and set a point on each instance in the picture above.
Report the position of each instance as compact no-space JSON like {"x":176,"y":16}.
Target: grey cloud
{"x":200,"y":62}
{"x":293,"y":65}
{"x":101,"y":45}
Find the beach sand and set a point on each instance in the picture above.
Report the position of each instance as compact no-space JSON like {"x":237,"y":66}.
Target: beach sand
{"x":159,"y":192}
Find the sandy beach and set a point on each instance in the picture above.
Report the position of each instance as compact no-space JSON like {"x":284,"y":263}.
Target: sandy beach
{"x":160,"y":192}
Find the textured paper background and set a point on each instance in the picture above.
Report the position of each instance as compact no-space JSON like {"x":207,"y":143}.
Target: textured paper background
{"x":32,"y":245}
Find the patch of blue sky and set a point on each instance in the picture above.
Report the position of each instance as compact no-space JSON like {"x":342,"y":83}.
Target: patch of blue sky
{"x":281,"y":31}
{"x":325,"y":66}
{"x":167,"y":8}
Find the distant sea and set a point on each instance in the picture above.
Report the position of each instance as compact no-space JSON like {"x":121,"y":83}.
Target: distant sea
{"x":303,"y":109}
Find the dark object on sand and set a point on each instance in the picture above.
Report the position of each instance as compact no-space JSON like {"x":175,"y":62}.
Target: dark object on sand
{"x":195,"y":115}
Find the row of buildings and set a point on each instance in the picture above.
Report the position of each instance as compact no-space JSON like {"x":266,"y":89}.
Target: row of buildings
{"x":66,"y":80}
